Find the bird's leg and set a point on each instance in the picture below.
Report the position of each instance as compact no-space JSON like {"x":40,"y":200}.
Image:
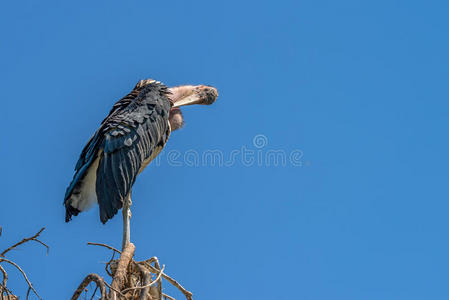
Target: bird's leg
{"x":126,"y":220}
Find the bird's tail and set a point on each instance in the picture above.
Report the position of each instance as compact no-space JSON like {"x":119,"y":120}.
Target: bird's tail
{"x":81,"y":193}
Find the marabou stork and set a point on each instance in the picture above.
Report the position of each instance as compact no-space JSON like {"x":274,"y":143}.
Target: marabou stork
{"x":128,"y":139}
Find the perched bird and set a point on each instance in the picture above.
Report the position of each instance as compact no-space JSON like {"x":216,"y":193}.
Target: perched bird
{"x":128,"y":139}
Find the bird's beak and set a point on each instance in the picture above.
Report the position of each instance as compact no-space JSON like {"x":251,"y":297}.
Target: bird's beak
{"x":189,"y":95}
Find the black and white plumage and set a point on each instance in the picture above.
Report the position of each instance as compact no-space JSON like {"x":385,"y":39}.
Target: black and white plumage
{"x":133,"y":134}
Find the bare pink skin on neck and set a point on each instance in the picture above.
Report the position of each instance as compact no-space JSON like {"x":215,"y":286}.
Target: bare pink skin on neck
{"x":175,"y":118}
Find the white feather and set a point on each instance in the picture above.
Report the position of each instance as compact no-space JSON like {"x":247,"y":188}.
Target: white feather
{"x":88,"y":193}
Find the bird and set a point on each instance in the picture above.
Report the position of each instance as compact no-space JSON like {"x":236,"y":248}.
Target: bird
{"x":127,"y":140}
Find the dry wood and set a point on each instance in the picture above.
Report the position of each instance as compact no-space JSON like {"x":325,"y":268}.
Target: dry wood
{"x":3,"y":289}
{"x":121,"y":273}
{"x":168,"y":297}
{"x":104,"y":245}
{"x":176,"y":284}
{"x":132,"y":280}
{"x":89,"y":278}
{"x":146,"y":278}
{"x":33,"y":238}
{"x":23,"y":273}
{"x":147,"y":285}
{"x":113,"y":289}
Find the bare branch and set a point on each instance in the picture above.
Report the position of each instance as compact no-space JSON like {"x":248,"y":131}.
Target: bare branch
{"x":168,"y":297}
{"x":149,"y":261}
{"x":158,"y":266}
{"x":95,"y":291}
{"x":186,"y":293}
{"x":89,"y":278}
{"x":23,"y":273}
{"x":104,"y":245}
{"x":146,"y":286}
{"x":146,"y":276}
{"x":120,"y":274}
{"x":108,"y":263}
{"x":28,"y":293}
{"x":33,"y":238}
{"x":111,"y":288}
{"x":43,"y":244}
{"x":5,"y":279}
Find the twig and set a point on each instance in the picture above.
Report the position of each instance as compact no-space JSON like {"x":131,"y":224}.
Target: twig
{"x":149,"y":261}
{"x":146,"y":275}
{"x":117,"y":291}
{"x":146,"y":286}
{"x":158,"y":266}
{"x":23,"y":273}
{"x":89,"y":278}
{"x":168,"y":297}
{"x":33,"y":238}
{"x":108,"y":263}
{"x":43,"y":244}
{"x":28,"y":293}
{"x":95,"y":291}
{"x":8,"y":293}
{"x":104,"y":245}
{"x":5,"y":279}
{"x":113,"y":254}
{"x":186,"y":293}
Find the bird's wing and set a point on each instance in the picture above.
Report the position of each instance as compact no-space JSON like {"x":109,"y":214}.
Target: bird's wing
{"x":128,"y":143}
{"x":131,"y":135}
{"x":92,"y":145}
{"x":135,"y":127}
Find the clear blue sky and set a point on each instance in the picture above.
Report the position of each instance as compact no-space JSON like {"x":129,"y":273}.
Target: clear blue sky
{"x":360,"y":88}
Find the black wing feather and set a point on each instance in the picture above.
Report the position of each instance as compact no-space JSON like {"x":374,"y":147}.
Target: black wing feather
{"x":131,"y":135}
{"x":135,"y":126}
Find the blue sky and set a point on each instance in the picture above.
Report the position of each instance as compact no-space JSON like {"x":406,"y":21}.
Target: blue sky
{"x":358,"y":88}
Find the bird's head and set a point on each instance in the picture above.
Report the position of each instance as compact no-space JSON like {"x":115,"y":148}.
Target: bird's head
{"x":188,"y":95}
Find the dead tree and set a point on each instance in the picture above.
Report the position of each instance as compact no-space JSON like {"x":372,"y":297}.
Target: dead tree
{"x":131,"y":280}
{"x":5,"y":292}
